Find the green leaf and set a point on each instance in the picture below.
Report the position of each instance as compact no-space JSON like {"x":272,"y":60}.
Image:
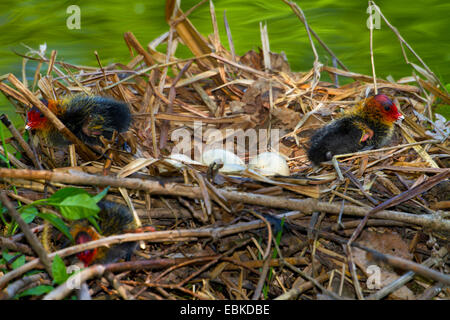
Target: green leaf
{"x":57,"y":223}
{"x":78,"y":207}
{"x":20,"y":261}
{"x":447,"y":87}
{"x":59,"y":270}
{"x":100,"y":196}
{"x":62,"y":194}
{"x":30,"y":273}
{"x":28,"y":213}
{"x":94,"y":223}
{"x":36,"y":291}
{"x":3,"y":158}
{"x":7,"y":257}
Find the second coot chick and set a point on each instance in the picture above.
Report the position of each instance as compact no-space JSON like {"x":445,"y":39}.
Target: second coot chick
{"x":114,"y":219}
{"x":368,"y":125}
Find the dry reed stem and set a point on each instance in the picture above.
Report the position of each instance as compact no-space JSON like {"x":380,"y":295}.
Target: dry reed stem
{"x":67,"y":287}
{"x":154,"y":187}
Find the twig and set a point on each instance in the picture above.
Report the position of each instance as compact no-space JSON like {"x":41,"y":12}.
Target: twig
{"x":16,"y":162}
{"x":20,"y":140}
{"x":116,"y":284}
{"x":409,"y":265}
{"x":261,"y":280}
{"x":83,"y":292}
{"x":404,"y":279}
{"x":404,"y":196}
{"x":173,"y":235}
{"x":16,"y":286}
{"x":15,"y":246}
{"x":371,"y":51}
{"x":304,"y":275}
{"x":164,"y":127}
{"x":378,"y":256}
{"x":403,"y":42}
{"x":184,"y":15}
{"x":370,"y":223}
{"x":131,"y":41}
{"x":296,"y":291}
{"x":209,"y":264}
{"x":265,"y":46}
{"x":269,"y":233}
{"x":154,"y":187}
{"x":66,"y":288}
{"x":230,"y":38}
{"x":352,"y":269}
{"x":266,"y":257}
{"x":31,"y":237}
{"x":301,"y":16}
{"x":167,"y":286}
{"x":432,"y":291}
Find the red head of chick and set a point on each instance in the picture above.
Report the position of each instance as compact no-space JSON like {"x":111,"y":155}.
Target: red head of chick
{"x":88,"y":117}
{"x":114,"y":219}
{"x":368,"y":125}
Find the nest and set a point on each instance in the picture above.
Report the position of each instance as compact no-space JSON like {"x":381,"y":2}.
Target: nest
{"x":309,"y":235}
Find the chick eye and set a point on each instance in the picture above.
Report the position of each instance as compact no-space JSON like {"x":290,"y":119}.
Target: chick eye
{"x":387,"y":108}
{"x":41,"y":115}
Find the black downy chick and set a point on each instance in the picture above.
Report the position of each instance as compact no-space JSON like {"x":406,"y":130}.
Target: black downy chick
{"x":368,"y":125}
{"x":114,"y":219}
{"x":88,"y":117}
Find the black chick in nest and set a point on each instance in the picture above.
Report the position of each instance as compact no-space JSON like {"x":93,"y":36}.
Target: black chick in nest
{"x":368,"y":125}
{"x":88,"y":117}
{"x":114,"y":219}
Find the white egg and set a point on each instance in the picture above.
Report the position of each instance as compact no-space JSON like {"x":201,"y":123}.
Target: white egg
{"x":269,"y":164}
{"x":231,"y":162}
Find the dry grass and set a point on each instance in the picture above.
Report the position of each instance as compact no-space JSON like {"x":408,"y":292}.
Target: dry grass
{"x":217,"y":235}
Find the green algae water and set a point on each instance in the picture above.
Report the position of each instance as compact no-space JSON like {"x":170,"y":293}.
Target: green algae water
{"x":340,"y":24}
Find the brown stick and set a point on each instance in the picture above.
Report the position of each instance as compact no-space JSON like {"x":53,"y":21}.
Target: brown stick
{"x":411,"y":193}
{"x":131,"y":41}
{"x":405,"y":278}
{"x":16,"y":286}
{"x":296,"y":291}
{"x":15,"y":246}
{"x":20,"y":140}
{"x":409,"y":266}
{"x":116,"y":284}
{"x":174,"y":189}
{"x":16,"y":162}
{"x":64,"y":289}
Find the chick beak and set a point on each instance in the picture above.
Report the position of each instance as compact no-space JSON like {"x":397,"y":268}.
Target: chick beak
{"x":400,"y":118}
{"x":27,"y":127}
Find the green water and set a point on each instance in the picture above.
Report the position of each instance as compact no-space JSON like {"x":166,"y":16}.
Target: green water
{"x":340,"y":24}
